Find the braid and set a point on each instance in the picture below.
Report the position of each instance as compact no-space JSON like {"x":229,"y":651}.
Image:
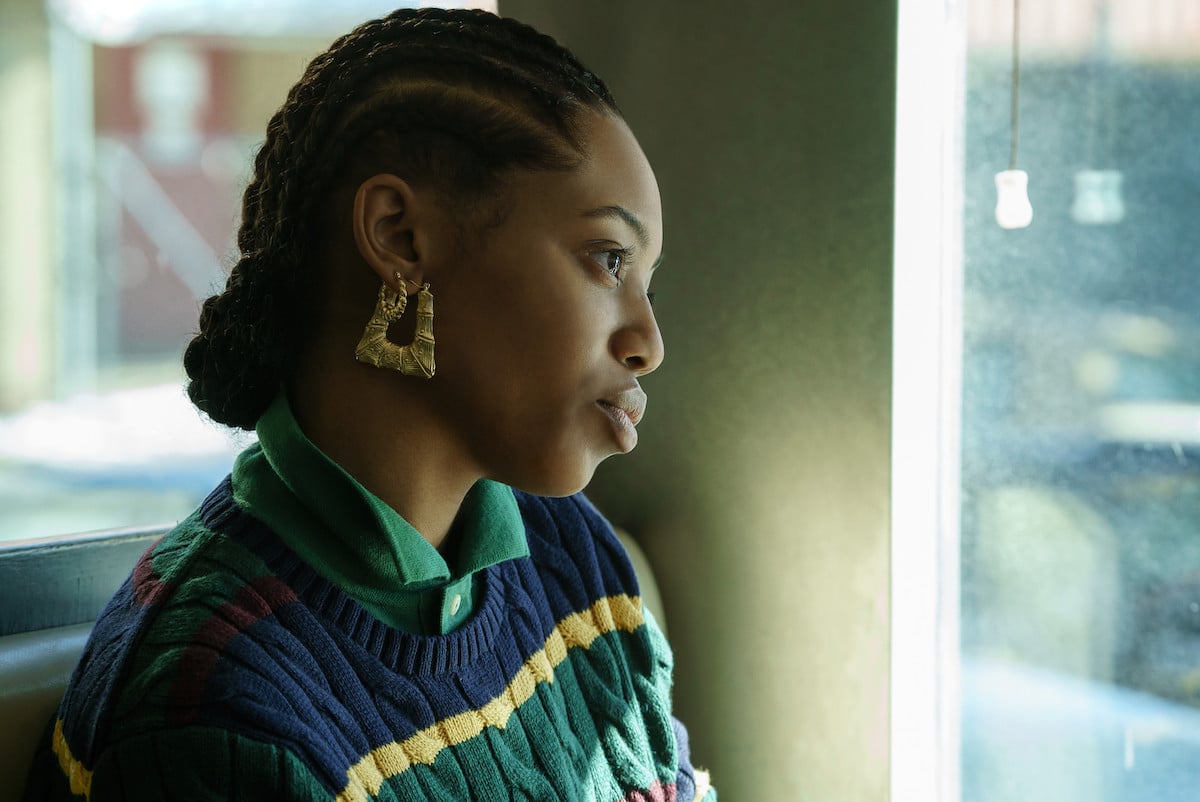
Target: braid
{"x":456,"y":96}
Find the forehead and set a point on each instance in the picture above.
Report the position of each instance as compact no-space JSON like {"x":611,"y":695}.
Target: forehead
{"x":614,"y":174}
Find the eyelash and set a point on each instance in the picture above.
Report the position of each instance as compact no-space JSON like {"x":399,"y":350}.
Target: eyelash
{"x":624,"y":254}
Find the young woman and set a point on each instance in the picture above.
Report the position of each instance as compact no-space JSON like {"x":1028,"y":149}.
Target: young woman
{"x":399,"y":594}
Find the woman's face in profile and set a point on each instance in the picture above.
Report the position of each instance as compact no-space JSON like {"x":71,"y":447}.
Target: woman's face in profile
{"x":545,"y":326}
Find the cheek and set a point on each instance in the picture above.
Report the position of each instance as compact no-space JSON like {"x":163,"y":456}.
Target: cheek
{"x":542,"y":333}
{"x":522,"y":340}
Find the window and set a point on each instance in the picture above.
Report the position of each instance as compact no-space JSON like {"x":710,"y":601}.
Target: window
{"x":1057,"y":647}
{"x":131,"y":130}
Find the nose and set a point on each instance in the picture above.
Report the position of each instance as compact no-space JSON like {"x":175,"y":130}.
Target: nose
{"x":638,"y":343}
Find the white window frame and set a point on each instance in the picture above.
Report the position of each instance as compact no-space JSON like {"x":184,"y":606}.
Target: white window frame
{"x":926,"y":401}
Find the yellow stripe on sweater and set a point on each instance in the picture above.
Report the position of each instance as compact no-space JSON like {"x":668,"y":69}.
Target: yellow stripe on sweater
{"x":80,"y":777}
{"x":365,"y":778}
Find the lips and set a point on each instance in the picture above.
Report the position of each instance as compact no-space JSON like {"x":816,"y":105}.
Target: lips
{"x":624,"y":409}
{"x":631,"y":401}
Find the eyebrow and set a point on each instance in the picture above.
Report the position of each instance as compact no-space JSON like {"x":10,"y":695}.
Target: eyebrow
{"x":621,"y":213}
{"x":630,"y":219}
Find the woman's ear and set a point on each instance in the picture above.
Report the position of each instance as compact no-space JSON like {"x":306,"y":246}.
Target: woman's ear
{"x":396,"y":229}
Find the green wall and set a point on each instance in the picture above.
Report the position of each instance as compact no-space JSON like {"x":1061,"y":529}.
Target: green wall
{"x":760,"y":489}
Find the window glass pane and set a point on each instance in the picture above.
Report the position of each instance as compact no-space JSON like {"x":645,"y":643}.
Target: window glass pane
{"x":128,"y":138}
{"x":1080,"y":510}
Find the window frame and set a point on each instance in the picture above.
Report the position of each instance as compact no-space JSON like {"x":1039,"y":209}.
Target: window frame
{"x":56,"y":582}
{"x":926,"y":390}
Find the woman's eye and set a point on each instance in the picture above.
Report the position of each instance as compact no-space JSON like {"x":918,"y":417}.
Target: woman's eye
{"x":611,"y":261}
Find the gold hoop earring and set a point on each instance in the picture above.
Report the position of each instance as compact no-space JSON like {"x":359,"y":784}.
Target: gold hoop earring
{"x":374,"y":348}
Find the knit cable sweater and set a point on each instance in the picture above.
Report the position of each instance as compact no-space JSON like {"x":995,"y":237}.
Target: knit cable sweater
{"x":226,"y":668}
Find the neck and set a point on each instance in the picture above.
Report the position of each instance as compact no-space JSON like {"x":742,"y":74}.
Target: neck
{"x":381,"y":430}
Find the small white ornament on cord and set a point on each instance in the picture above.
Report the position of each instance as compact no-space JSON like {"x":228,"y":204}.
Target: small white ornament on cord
{"x":1013,"y":209}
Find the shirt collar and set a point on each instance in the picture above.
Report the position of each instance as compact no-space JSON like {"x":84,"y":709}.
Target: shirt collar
{"x":359,"y":537}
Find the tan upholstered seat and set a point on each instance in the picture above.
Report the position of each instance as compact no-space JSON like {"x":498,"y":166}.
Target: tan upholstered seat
{"x":34,"y":669}
{"x":50,"y":593}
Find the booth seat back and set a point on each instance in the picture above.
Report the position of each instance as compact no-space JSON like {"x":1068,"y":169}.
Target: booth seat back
{"x":34,"y":669}
{"x":50,"y":592}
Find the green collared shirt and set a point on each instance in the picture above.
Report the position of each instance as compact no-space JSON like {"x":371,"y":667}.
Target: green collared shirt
{"x":362,"y":545}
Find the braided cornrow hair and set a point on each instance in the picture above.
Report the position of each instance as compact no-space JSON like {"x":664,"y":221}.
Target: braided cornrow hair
{"x":453,"y":97}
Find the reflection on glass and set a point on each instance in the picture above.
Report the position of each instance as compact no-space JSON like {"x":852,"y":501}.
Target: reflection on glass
{"x":1081,"y":410}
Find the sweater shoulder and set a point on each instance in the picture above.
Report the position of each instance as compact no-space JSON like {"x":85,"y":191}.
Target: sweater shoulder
{"x":575,"y":550}
{"x":136,"y":654}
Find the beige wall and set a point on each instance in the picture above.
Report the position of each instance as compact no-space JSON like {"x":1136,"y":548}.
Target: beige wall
{"x":760,"y":489}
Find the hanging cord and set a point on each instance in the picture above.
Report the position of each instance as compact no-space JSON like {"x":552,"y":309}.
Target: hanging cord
{"x":1016,"y":83}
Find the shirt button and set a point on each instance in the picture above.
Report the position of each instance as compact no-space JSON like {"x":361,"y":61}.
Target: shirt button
{"x":455,"y":604}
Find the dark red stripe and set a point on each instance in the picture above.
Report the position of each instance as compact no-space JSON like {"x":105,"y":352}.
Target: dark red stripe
{"x":252,"y":603}
{"x":655,"y":793}
{"x":148,"y":587}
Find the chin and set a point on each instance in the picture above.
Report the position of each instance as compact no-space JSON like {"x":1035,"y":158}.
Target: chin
{"x":564,"y":478}
{"x":555,"y":487}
